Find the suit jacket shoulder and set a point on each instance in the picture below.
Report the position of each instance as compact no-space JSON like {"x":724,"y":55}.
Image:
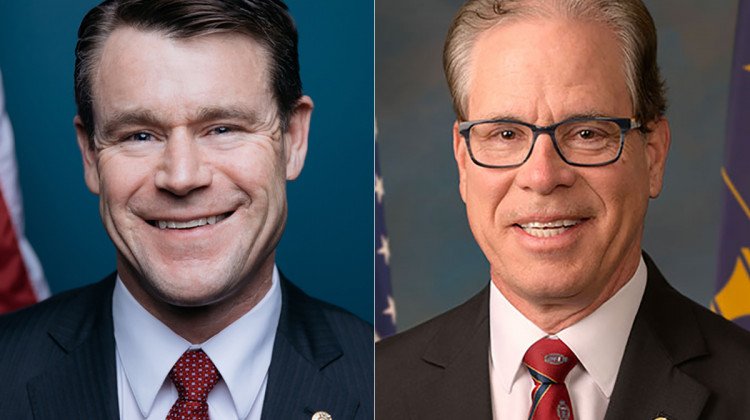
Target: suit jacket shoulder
{"x":681,"y":361}
{"x":322,"y":361}
{"x":57,"y":358}
{"x":439,"y":369}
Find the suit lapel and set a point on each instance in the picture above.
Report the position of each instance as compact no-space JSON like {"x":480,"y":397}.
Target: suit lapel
{"x":665,"y":335}
{"x":460,"y":351}
{"x":305,"y":345}
{"x":81,"y":383}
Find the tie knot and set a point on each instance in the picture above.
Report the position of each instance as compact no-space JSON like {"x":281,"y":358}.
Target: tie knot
{"x":549,"y":360}
{"x":194,"y":375}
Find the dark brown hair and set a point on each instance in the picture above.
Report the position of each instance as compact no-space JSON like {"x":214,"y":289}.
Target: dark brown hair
{"x":265,"y":21}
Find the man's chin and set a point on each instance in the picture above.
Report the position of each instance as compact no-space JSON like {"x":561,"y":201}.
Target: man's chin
{"x":193,"y":294}
{"x":184,"y":292}
{"x":547,"y":282}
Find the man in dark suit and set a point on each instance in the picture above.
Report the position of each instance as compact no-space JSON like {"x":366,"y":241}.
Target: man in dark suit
{"x":560,"y":142}
{"x":191,"y":120}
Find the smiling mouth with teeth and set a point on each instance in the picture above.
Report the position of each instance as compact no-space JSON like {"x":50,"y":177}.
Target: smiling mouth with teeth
{"x":548,"y":229}
{"x":203,"y":221}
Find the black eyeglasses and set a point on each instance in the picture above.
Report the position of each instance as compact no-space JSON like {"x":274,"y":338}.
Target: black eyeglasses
{"x":590,"y":141}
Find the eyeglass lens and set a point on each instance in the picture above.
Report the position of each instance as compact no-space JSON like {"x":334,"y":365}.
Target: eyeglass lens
{"x":587,"y":142}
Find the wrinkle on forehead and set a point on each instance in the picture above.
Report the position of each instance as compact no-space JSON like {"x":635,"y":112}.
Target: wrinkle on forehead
{"x":182,"y":52}
{"x":538,"y":79}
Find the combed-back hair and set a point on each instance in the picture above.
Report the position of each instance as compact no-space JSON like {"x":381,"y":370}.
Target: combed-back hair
{"x":628,"y":19}
{"x":266,"y":21}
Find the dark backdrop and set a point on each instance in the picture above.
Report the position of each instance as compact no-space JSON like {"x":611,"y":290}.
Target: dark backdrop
{"x":329,"y":230}
{"x":435,"y":263}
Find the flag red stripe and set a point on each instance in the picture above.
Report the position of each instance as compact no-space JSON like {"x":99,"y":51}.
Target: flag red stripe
{"x":15,"y":286}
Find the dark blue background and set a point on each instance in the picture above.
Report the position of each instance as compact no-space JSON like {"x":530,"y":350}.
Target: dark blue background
{"x":327,"y":247}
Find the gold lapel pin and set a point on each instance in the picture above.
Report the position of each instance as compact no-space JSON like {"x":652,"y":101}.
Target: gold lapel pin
{"x":322,"y":415}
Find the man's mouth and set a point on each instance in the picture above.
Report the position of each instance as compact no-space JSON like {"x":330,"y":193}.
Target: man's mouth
{"x":548,"y":229}
{"x":202,"y":221}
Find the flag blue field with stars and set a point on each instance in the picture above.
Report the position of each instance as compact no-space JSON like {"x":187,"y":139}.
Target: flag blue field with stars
{"x":385,"y":308}
{"x":732,"y":298}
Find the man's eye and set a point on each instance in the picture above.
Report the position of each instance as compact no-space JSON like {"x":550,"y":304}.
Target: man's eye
{"x":221,"y":130}
{"x":507,"y":135}
{"x":592,"y":135}
{"x":139,"y":137}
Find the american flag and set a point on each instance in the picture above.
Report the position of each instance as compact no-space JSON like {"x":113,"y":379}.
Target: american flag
{"x":21,"y":279}
{"x":385,"y":308}
{"x":732,"y":299}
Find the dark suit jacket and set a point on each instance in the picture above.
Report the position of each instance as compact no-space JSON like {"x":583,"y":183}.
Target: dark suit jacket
{"x":57,"y":359}
{"x":681,"y":362}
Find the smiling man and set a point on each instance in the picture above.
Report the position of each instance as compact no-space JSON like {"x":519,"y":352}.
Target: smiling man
{"x":190,"y":122}
{"x":560,"y":142}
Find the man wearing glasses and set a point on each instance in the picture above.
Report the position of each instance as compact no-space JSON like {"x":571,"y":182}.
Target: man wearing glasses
{"x":560,"y":142}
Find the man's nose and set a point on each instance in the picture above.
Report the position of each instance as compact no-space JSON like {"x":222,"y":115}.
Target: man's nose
{"x":182,"y":168}
{"x":545,"y":170}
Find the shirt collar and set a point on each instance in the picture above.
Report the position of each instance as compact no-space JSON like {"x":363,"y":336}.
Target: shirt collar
{"x":241,"y":352}
{"x":598,"y":341}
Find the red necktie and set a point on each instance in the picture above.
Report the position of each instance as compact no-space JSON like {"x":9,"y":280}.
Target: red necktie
{"x":194,"y":375}
{"x":549,"y":362}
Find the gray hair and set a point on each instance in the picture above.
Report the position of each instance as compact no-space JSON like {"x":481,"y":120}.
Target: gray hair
{"x":628,"y":19}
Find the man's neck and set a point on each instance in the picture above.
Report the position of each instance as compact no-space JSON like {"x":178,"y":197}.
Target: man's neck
{"x":554,"y":315}
{"x":197,"y":324}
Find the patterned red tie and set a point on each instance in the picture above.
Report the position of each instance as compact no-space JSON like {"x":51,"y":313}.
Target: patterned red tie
{"x":195,"y":376}
{"x":549,"y":362}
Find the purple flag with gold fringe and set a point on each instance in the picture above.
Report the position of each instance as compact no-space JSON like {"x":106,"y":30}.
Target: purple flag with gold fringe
{"x":732,"y":298}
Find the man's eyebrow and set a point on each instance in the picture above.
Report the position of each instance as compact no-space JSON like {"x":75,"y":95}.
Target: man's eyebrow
{"x":228,"y":113}
{"x":507,"y":117}
{"x":136,"y":117}
{"x":588,"y":114}
{"x":144,"y":117}
{"x":576,"y":115}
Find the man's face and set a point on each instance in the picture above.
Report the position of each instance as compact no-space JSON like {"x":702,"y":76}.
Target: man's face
{"x":190,"y":162}
{"x":554,"y":233}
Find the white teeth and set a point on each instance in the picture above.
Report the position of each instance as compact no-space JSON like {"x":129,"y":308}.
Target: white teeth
{"x":544,"y":233}
{"x":548,"y":229}
{"x":171,"y":224}
{"x":555,"y":224}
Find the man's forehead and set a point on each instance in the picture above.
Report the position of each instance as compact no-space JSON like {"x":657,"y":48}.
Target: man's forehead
{"x":148,"y":70}
{"x":518,"y":37}
{"x":531,"y":61}
{"x":127,"y":43}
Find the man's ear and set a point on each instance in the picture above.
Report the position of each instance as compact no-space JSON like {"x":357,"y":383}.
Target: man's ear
{"x":90,"y":169}
{"x":460,"y":153}
{"x":296,"y":137}
{"x":657,"y":148}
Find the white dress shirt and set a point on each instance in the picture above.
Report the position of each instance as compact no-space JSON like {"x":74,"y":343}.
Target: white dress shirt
{"x":598,"y":341}
{"x":147,"y":349}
